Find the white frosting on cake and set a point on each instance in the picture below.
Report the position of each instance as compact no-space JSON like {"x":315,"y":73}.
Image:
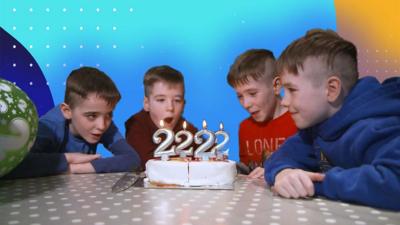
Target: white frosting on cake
{"x":167,"y":172}
{"x":194,"y":173}
{"x":211,"y":173}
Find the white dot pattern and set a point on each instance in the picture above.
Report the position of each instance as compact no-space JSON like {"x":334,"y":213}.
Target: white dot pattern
{"x":87,"y":199}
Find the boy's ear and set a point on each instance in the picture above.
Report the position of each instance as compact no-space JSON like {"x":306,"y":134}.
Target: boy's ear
{"x":66,"y":111}
{"x":276,"y":84}
{"x":146,"y":106}
{"x":334,"y":88}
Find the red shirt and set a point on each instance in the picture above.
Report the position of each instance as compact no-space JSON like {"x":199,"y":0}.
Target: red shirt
{"x":139,"y":134}
{"x":254,"y":137}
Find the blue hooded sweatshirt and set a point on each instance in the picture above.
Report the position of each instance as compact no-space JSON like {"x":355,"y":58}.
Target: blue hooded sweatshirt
{"x":360,"y":145}
{"x":46,"y":157}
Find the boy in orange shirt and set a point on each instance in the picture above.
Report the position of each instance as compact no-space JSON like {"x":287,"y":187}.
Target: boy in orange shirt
{"x":257,"y":86}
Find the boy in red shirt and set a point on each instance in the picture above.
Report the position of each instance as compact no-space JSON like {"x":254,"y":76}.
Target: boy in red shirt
{"x":164,"y":100}
{"x":257,"y":86}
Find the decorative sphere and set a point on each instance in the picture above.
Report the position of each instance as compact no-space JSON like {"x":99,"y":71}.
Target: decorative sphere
{"x":18,"y":125}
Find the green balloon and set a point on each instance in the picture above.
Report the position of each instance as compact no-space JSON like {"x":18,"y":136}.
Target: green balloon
{"x":18,"y":125}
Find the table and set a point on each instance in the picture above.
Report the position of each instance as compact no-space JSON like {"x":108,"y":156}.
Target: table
{"x":87,"y":199}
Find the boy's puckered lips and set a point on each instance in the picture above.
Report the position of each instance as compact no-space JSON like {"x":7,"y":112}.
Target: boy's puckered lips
{"x":168,"y":119}
{"x":97,"y":135}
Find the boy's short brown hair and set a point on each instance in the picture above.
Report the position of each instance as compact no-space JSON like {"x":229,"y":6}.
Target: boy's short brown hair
{"x":161,"y":73}
{"x":340,"y":55}
{"x":254,"y":63}
{"x":86,"y":80}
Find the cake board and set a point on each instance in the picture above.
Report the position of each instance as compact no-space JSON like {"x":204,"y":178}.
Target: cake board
{"x":146,"y":184}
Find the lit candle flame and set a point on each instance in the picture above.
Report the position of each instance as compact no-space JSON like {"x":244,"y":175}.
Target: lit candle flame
{"x":221,"y":126}
{"x":162,"y":123}
{"x":204,"y":124}
{"x":184,"y":125}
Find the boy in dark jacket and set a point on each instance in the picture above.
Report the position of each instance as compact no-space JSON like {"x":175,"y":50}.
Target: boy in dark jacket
{"x":69,"y":133}
{"x":348,"y":146}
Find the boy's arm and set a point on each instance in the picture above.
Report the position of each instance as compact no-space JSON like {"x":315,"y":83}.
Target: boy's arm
{"x":375,"y":184}
{"x":125,"y":158}
{"x":43,"y":159}
{"x":295,"y":153}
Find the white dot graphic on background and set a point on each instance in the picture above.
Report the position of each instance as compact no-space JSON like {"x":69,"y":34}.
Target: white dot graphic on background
{"x":97,"y":10}
{"x":30,"y":9}
{"x":64,"y":46}
{"x":80,"y":46}
{"x":114,"y":10}
{"x":64,"y":28}
{"x":47,"y":10}
{"x":97,"y":27}
{"x":14,"y":64}
{"x":131,"y":10}
{"x":14,"y":9}
{"x":114,"y":46}
{"x":81,"y":28}
{"x":47,"y":46}
{"x":14,"y":28}
{"x":97,"y":46}
{"x":114,"y":28}
{"x":14,"y":46}
{"x":64,"y":9}
{"x":47,"y":28}
{"x":30,"y":64}
{"x":30,"y":27}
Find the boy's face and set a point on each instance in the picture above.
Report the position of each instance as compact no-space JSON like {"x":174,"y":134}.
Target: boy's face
{"x":306,"y":98}
{"x":165,"y":102}
{"x":90,"y":118}
{"x":258,"y":98}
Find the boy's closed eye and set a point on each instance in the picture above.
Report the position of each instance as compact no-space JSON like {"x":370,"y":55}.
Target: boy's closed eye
{"x":253,"y":93}
{"x":160,"y":99}
{"x":178,"y":101}
{"x":91,"y":116}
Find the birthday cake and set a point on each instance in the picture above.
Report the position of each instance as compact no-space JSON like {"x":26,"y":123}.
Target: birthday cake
{"x":191,"y":173}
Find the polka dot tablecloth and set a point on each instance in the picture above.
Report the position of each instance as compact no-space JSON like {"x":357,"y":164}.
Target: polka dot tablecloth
{"x":87,"y":199}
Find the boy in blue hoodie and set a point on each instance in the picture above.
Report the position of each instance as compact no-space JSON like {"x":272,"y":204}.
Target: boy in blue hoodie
{"x":348,"y":144}
{"x":69,"y":133}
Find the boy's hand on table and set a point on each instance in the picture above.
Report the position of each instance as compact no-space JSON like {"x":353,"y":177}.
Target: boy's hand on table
{"x":258,"y":172}
{"x":80,"y":162}
{"x":296,"y":183}
{"x":80,"y":168}
{"x":76,"y":157}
